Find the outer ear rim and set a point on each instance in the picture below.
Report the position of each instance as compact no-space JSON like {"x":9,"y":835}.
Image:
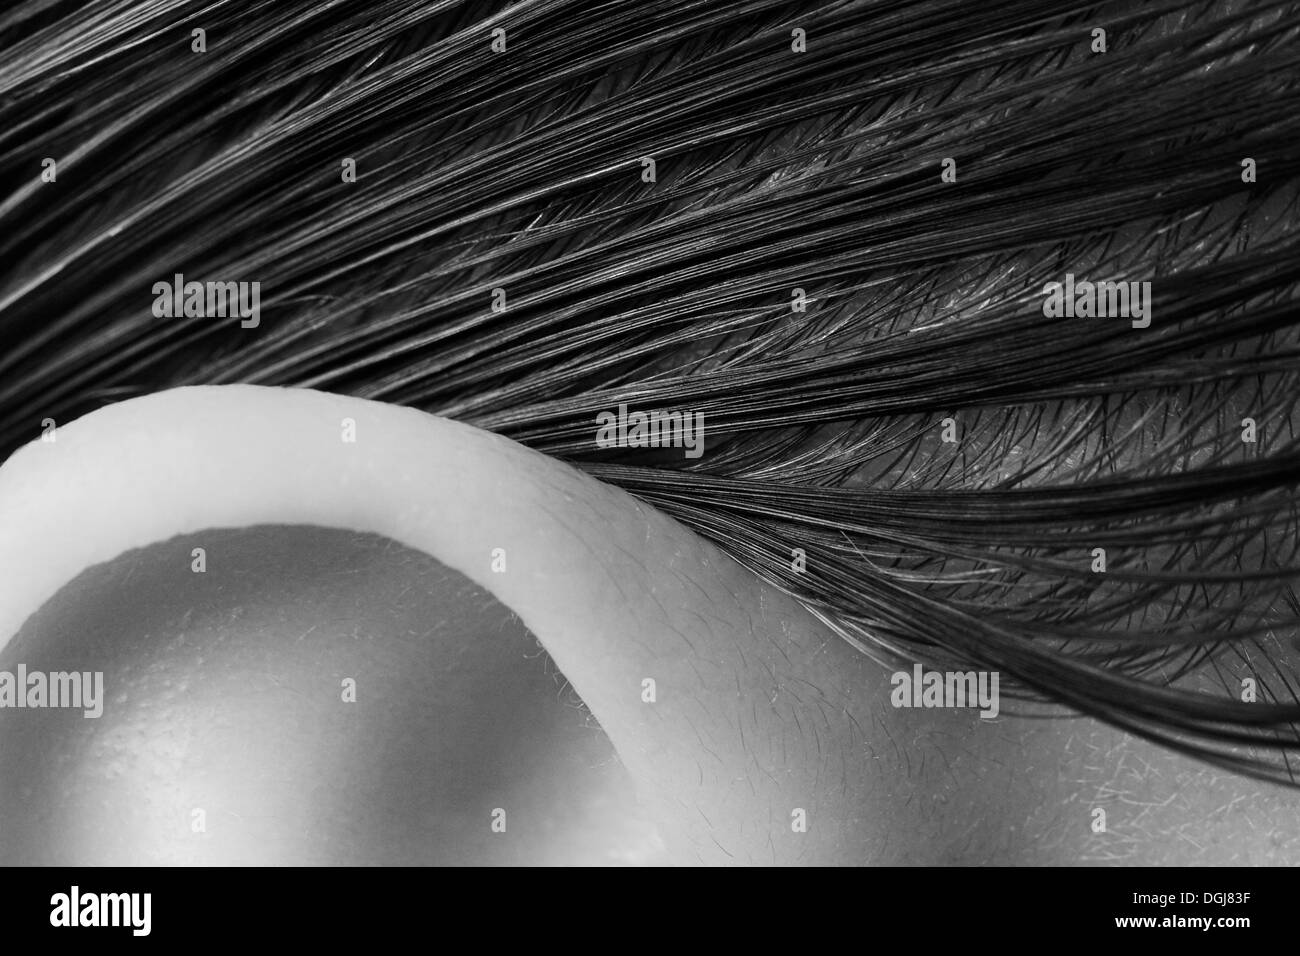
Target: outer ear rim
{"x":614,"y":590}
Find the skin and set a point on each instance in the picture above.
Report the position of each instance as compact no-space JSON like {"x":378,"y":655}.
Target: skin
{"x":226,"y":737}
{"x":761,"y":716}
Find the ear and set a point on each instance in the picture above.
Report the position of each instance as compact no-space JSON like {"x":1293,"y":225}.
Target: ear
{"x":622,"y":597}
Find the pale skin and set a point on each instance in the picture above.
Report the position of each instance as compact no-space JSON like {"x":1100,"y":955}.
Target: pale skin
{"x":768,"y":740}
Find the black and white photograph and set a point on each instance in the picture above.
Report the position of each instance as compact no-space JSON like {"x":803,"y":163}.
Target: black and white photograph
{"x":614,"y":433}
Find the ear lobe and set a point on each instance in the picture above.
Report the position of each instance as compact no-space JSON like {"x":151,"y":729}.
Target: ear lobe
{"x":711,"y":685}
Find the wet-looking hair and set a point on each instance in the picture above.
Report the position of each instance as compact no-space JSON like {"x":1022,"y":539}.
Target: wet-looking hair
{"x":988,"y":311}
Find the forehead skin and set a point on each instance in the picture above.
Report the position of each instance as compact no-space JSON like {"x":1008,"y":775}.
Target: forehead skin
{"x":760,"y":715}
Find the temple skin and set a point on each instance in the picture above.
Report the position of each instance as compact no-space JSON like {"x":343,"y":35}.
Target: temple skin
{"x":760,"y":717}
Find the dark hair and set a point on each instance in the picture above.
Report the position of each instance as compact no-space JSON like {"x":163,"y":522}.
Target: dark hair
{"x":917,"y":170}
